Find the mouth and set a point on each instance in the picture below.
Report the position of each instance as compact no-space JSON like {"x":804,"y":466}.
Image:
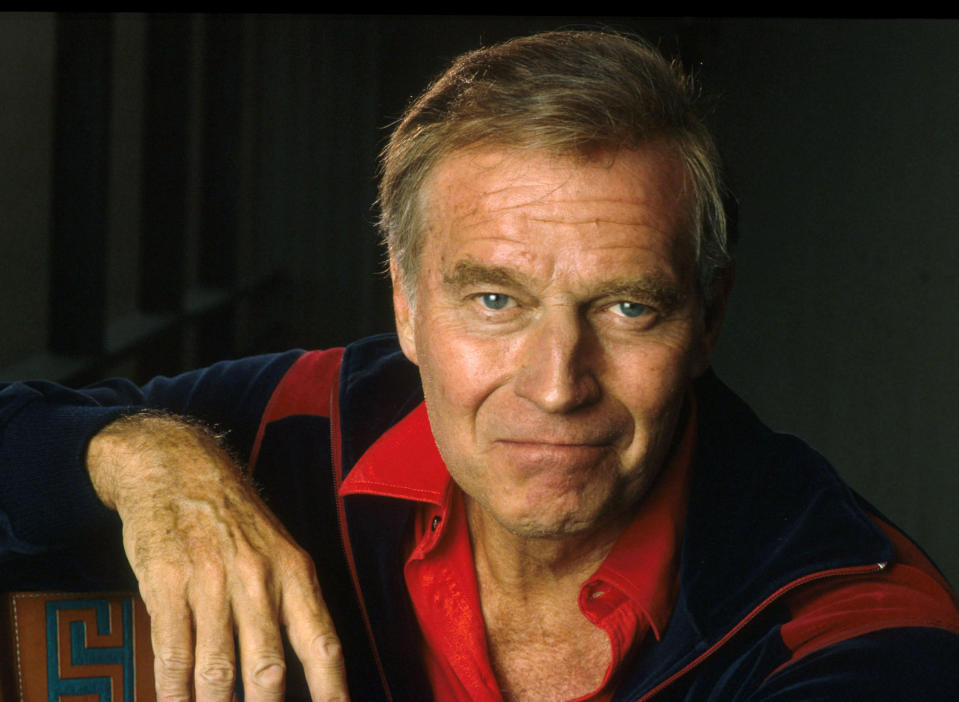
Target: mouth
{"x":559,"y":440}
{"x":538,"y":454}
{"x":566,"y":443}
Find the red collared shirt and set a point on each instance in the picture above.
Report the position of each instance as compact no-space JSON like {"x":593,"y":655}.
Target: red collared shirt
{"x":630,"y":595}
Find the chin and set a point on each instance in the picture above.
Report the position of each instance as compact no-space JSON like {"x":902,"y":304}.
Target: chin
{"x":548,"y":531}
{"x":533,"y":523}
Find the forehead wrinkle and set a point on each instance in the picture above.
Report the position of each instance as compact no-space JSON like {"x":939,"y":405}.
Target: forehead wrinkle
{"x":548,"y":194}
{"x":574,"y":210}
{"x":551,"y":199}
{"x":626,"y":222}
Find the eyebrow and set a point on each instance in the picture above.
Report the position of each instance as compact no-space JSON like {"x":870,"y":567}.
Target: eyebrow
{"x":469,"y":273}
{"x":653,"y":287}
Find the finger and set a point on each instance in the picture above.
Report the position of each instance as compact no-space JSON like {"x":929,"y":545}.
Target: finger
{"x":215,"y":673}
{"x":261,"y":643}
{"x":311,"y":633}
{"x":171,"y":634}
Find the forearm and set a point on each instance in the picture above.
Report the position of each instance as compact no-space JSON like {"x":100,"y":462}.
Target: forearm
{"x":47,"y":502}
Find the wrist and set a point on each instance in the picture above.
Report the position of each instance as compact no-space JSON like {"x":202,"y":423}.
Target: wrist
{"x":147,"y":452}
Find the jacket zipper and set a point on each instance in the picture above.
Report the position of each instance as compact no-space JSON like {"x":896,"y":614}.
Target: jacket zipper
{"x":337,"y":468}
{"x":855,"y":570}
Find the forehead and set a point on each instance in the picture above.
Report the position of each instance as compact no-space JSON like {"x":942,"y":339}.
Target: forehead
{"x":502,"y":202}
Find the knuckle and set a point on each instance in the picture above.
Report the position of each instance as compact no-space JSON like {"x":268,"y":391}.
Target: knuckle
{"x":300,"y":563}
{"x":216,"y":674}
{"x":252,"y":565}
{"x":210,"y":564}
{"x":172,"y":670}
{"x":328,"y":650}
{"x":298,"y":570}
{"x":209,"y":567}
{"x":172,"y":663}
{"x":163,"y":592}
{"x":268,"y":673}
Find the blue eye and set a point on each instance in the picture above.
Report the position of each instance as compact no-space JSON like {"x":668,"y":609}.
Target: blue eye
{"x":494,"y":301}
{"x":630,"y":309}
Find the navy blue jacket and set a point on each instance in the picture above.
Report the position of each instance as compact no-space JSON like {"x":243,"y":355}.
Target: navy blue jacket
{"x":791,"y":587}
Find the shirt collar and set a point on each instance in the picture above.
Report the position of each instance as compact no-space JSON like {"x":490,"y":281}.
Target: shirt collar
{"x":403,"y":463}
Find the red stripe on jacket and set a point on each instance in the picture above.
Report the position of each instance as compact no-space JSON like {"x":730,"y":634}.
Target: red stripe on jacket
{"x":306,"y":388}
{"x":907,"y":592}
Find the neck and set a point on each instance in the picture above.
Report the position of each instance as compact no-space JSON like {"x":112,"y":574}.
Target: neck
{"x":541,"y":646}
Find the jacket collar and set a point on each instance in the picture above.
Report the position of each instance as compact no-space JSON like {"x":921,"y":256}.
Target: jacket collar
{"x":378,"y":387}
{"x":765,"y":510}
{"x":765,"y":513}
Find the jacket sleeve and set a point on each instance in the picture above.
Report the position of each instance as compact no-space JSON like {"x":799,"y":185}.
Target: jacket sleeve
{"x":890,"y":665}
{"x":47,"y":504}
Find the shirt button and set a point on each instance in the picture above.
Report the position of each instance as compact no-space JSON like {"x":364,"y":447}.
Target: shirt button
{"x":597,"y":594}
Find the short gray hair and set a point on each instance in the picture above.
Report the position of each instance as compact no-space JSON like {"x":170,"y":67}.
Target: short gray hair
{"x":571,"y":93}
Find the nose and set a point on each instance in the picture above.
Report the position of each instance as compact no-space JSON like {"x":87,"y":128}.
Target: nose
{"x":561,"y":362}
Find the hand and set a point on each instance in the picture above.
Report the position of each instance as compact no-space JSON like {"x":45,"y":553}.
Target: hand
{"x":211,"y":561}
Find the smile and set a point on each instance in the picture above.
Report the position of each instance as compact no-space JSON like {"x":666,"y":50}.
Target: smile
{"x":558,"y":444}
{"x":543,"y":454}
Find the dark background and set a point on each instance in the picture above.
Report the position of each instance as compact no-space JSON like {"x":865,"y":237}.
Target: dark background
{"x":179,"y":189}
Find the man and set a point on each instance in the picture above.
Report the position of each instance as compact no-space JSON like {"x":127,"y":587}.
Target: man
{"x":541,"y":492}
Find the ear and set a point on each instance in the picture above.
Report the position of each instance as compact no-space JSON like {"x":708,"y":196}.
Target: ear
{"x":403,"y":312}
{"x":714,"y":314}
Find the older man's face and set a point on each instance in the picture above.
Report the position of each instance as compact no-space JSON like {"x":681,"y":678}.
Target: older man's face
{"x":556,"y":328}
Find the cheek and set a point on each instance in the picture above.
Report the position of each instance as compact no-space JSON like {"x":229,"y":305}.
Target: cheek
{"x":653,"y":385}
{"x":459,"y":371}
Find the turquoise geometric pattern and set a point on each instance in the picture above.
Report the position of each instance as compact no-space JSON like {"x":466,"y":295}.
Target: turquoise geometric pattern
{"x":88,"y":660}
